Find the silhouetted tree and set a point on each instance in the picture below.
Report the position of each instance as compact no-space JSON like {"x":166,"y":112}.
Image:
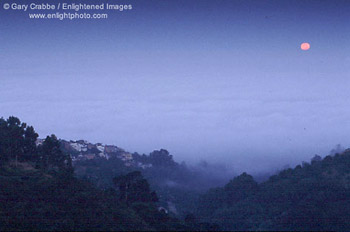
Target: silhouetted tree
{"x":240,"y":188}
{"x":52,"y":156}
{"x":30,"y":149}
{"x":316,"y":158}
{"x":3,"y":136}
{"x":15,"y":138}
{"x":134,"y":188}
{"x":162,"y":158}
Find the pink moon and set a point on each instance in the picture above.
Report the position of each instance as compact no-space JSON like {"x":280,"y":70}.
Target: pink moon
{"x":305,"y":46}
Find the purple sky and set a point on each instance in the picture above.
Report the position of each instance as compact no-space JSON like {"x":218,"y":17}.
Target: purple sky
{"x":221,"y":81}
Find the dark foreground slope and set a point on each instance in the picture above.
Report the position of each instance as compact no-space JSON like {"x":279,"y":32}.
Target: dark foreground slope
{"x":312,"y":196}
{"x":31,"y":200}
{"x":39,"y":191}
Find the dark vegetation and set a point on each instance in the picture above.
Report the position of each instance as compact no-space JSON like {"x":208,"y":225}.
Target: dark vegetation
{"x":177,"y":185}
{"x":313,"y":196}
{"x":39,"y":190}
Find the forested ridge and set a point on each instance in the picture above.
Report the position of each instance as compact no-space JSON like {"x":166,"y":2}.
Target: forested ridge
{"x":40,"y":190}
{"x":312,"y":196}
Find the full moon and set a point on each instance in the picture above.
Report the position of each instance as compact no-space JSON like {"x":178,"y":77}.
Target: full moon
{"x":305,"y":46}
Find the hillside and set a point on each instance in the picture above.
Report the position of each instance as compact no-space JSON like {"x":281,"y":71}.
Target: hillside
{"x":177,"y":185}
{"x":53,"y":184}
{"x":38,"y":191}
{"x":312,"y":196}
{"x":32,"y":200}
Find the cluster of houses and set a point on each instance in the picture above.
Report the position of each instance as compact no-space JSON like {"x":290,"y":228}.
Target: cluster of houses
{"x":83,"y":150}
